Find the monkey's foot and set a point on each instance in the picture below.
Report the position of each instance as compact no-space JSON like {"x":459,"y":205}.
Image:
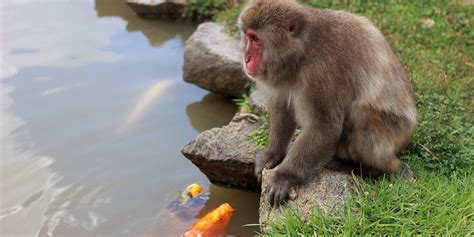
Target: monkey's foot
{"x":406,"y":173}
{"x":280,"y":185}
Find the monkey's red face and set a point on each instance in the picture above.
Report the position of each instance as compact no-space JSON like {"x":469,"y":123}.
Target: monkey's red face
{"x":253,"y":53}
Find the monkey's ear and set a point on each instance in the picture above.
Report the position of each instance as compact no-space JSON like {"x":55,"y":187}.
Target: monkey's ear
{"x":295,"y":24}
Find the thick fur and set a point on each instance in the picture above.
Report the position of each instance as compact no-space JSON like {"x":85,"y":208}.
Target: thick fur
{"x":336,"y":76}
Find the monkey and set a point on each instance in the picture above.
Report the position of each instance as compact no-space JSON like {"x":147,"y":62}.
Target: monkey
{"x":334,"y":75}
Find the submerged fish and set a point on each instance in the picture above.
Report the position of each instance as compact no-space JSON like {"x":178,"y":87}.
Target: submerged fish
{"x":191,"y":200}
{"x":192,"y":191}
{"x":214,"y":223}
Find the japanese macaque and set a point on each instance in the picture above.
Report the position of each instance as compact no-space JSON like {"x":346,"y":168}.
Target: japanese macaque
{"x":333,"y":74}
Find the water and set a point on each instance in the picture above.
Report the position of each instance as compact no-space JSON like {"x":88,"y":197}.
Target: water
{"x":94,"y":113}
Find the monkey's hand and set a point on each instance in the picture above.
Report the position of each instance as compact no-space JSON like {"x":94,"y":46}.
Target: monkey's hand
{"x":267,"y":160}
{"x":279,"y":186}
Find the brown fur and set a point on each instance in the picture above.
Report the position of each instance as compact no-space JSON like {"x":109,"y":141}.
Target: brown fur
{"x":337,"y":78}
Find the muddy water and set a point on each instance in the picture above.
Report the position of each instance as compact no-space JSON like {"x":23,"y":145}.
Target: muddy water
{"x":93,"y":115}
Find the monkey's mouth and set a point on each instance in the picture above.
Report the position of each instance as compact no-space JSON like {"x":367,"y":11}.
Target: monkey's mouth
{"x":248,"y":58}
{"x":253,"y":61}
{"x":253,"y":53}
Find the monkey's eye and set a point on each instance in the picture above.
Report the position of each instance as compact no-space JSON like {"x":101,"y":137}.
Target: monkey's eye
{"x":254,"y":38}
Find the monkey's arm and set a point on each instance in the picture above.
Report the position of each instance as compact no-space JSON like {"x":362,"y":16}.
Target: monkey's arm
{"x":282,"y":127}
{"x":313,"y":148}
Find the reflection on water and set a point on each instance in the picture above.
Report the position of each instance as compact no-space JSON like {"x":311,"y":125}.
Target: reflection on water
{"x":54,"y":33}
{"x":27,"y":185}
{"x":145,"y":101}
{"x":212,"y":111}
{"x":156,"y":31}
{"x":93,"y":114}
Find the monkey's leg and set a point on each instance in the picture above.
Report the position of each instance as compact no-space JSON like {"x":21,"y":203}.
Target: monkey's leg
{"x":312,"y":149}
{"x":376,"y":138}
{"x":349,"y":166}
{"x":282,"y":127}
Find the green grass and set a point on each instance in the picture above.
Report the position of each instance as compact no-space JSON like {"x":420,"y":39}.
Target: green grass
{"x":434,"y":205}
{"x":260,"y":136}
{"x":440,"y":62}
{"x":205,"y":10}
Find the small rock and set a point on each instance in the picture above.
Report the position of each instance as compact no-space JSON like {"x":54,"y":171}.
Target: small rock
{"x":164,"y":9}
{"x":328,"y":191}
{"x":225,"y":155}
{"x":212,"y":60}
{"x":427,"y":22}
{"x":257,"y":103}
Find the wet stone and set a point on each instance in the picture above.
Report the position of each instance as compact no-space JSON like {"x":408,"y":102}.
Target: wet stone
{"x":212,"y":61}
{"x":163,"y":9}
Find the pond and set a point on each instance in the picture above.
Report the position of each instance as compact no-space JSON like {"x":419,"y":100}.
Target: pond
{"x":94,"y":113}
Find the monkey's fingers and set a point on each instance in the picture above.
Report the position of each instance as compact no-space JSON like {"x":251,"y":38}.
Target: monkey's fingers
{"x":259,"y":166}
{"x":270,"y":196}
{"x":258,"y":171}
{"x":267,"y":160}
{"x":281,"y":197}
{"x":275,"y":197}
{"x":259,"y":176}
{"x":272,"y":163}
{"x":278,"y":195}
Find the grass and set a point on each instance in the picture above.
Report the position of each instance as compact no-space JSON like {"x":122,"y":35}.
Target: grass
{"x":439,"y":59}
{"x":260,"y":136}
{"x":434,"y":205}
{"x":205,"y":10}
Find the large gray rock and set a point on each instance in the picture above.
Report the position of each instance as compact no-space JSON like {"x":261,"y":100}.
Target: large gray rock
{"x":158,"y":8}
{"x":327,"y":190}
{"x":225,"y":155}
{"x":212,"y":60}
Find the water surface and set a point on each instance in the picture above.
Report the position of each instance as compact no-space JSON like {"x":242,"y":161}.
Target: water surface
{"x":94,"y":113}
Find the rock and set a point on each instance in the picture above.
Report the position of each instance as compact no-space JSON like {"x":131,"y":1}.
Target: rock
{"x":428,"y":22}
{"x":257,"y":103}
{"x":164,"y":9}
{"x":212,"y":60}
{"x":327,"y":191}
{"x":225,"y":155}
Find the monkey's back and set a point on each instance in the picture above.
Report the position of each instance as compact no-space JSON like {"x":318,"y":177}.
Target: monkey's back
{"x":352,"y":48}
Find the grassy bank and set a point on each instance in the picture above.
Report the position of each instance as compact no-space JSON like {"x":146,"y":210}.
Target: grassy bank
{"x":434,"y":40}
